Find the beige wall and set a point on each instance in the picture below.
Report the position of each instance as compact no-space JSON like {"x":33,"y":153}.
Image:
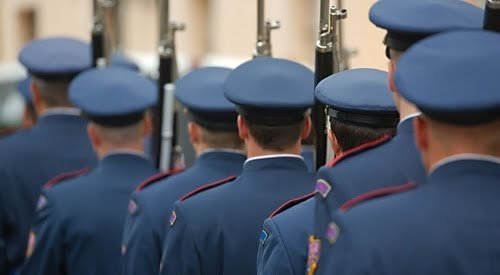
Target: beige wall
{"x":220,"y":27}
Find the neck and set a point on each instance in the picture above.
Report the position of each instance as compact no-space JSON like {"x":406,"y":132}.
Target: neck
{"x":405,"y":108}
{"x":103,"y":150}
{"x":254,"y":150}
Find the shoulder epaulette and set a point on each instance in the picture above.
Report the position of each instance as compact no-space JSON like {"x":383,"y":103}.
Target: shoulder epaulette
{"x":206,"y":187}
{"x":291,"y":203}
{"x":376,"y":194}
{"x":65,"y":176}
{"x":358,"y":149}
{"x":156,"y":178}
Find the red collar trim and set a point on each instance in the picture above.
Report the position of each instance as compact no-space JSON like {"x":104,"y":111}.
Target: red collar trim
{"x":375,"y":194}
{"x":292,"y":203}
{"x":65,"y":176}
{"x":156,"y":178}
{"x":206,"y":187}
{"x":358,"y":149}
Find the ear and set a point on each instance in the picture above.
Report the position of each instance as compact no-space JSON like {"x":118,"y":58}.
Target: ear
{"x":36,"y":97}
{"x":242,"y":128}
{"x":147,"y":125}
{"x":193,"y":132}
{"x":337,"y":150}
{"x":93,"y":134}
{"x":392,"y":69}
{"x":307,"y":128}
{"x":421,"y":127}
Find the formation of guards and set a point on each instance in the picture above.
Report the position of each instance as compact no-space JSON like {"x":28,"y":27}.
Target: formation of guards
{"x":413,"y":188}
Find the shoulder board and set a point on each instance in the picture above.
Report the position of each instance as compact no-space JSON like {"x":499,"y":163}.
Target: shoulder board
{"x":376,"y":194}
{"x":358,"y":149}
{"x":65,"y":176}
{"x":206,"y":187}
{"x":292,"y":203}
{"x":156,"y":178}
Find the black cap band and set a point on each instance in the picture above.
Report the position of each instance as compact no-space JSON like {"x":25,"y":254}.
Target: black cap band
{"x":116,"y":121}
{"x":401,"y":41}
{"x":228,"y":124}
{"x":380,"y":121}
{"x":272,"y":117}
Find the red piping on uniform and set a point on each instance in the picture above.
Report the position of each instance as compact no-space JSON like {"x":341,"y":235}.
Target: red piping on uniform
{"x":65,"y":176}
{"x":156,"y":178}
{"x":376,"y":193}
{"x":207,"y":186}
{"x":291,"y":203}
{"x":358,"y":149}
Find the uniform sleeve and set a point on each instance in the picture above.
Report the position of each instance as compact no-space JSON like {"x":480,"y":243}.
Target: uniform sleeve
{"x":180,"y":254}
{"x":141,"y":247}
{"x":45,"y":255}
{"x":14,"y":224}
{"x":272,"y":256}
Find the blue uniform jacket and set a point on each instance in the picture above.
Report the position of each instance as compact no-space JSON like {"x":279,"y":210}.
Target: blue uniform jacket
{"x":29,"y":158}
{"x":79,"y":222}
{"x":387,"y":163}
{"x":283,"y":246}
{"x":145,"y":227}
{"x":449,"y":225}
{"x":217,"y":231}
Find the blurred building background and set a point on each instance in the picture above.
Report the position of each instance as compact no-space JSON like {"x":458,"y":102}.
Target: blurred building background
{"x":219,"y":32}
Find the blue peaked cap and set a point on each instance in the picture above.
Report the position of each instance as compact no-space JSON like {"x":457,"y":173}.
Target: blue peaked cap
{"x":24,"y":89}
{"x":56,"y":57}
{"x":451,"y":77}
{"x":359,"y":96}
{"x":201,"y":92}
{"x":112,"y":96}
{"x":271,"y":90}
{"x":408,"y":21}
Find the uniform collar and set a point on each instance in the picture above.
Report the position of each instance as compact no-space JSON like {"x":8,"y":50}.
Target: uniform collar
{"x":461,"y":157}
{"x":274,"y":156}
{"x":125,"y":152}
{"x":69,"y":111}
{"x":221,"y":150}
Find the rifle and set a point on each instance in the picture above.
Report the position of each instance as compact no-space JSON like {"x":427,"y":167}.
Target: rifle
{"x":163,"y":139}
{"x":492,"y":15}
{"x":98,"y":35}
{"x":264,"y":28}
{"x":327,"y":62}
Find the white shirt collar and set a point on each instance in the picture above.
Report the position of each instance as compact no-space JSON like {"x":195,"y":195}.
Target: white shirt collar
{"x":126,"y":151}
{"x":464,"y":157}
{"x":213,"y":150}
{"x":410,"y":116}
{"x":62,"y":111}
{"x":275,"y":156}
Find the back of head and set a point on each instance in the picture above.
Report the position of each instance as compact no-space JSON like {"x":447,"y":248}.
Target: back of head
{"x":115,"y":101}
{"x":450,"y":77}
{"x":201,"y":93}
{"x":273,"y":97}
{"x":54,"y":62}
{"x":359,"y":106}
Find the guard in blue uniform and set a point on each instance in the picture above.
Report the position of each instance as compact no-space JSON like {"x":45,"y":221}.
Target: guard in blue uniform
{"x":449,"y":224}
{"x":361,"y":110}
{"x":57,"y":143}
{"x":214,"y":134}
{"x":80,"y":220}
{"x":393,"y":162}
{"x":215,"y":229}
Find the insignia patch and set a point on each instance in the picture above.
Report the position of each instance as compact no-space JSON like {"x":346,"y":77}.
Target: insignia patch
{"x":313,"y":254}
{"x":263,"y":236}
{"x":332,"y":232}
{"x":42,"y":202}
{"x":172,"y":219}
{"x":323,"y":187}
{"x":132,"y":207}
{"x":31,"y":244}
